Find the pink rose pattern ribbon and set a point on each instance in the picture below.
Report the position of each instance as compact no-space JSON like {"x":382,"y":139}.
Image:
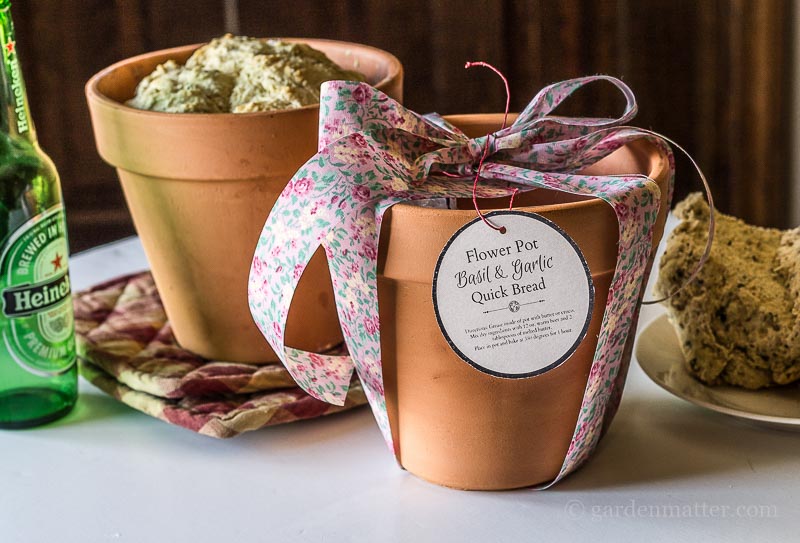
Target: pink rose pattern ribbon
{"x":374,"y":153}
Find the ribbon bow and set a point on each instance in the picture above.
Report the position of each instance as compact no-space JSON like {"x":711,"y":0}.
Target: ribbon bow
{"x":374,"y":153}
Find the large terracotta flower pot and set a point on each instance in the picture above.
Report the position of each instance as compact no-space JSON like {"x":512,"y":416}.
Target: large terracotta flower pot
{"x":200,"y":187}
{"x":454,"y":425}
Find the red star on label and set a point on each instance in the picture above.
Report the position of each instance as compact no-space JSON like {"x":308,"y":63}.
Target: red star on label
{"x":10,"y":47}
{"x":56,"y":262}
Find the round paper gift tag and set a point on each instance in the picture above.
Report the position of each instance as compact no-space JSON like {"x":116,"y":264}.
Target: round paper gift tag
{"x":513,"y":304}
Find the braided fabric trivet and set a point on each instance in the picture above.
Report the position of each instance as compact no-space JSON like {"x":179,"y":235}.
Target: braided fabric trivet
{"x":127,"y":349}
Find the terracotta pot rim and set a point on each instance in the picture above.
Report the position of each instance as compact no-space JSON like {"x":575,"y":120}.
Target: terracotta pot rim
{"x":425,"y":212}
{"x":215,"y":146}
{"x":395,"y":70}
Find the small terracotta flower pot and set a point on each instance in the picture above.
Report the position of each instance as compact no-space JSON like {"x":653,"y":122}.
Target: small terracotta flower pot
{"x":454,"y":425}
{"x":200,"y":187}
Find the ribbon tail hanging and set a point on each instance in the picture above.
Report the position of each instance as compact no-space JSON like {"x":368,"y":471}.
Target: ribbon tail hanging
{"x":280,"y":258}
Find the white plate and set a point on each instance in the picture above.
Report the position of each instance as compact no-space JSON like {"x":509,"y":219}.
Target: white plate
{"x":660,"y":356}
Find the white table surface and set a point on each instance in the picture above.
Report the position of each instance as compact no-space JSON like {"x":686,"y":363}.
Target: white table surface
{"x":666,"y":471}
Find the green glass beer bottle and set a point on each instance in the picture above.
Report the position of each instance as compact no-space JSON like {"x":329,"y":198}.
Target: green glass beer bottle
{"x":38,"y":371}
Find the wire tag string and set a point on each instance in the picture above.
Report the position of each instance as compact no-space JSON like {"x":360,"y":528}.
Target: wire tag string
{"x":501,"y":229}
{"x":711,"y":222}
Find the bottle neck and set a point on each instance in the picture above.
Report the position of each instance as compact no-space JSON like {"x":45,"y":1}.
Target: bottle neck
{"x":15,"y":118}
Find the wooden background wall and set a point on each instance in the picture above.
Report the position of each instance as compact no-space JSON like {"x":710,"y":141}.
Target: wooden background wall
{"x":712,"y":74}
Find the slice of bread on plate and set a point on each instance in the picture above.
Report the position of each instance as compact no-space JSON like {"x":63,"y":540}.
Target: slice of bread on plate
{"x":739,"y":321}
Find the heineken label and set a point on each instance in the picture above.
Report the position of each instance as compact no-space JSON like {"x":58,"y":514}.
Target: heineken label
{"x":17,"y":88}
{"x":38,"y":327}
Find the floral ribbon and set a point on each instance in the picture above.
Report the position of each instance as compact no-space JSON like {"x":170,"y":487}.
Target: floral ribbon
{"x":374,"y":153}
